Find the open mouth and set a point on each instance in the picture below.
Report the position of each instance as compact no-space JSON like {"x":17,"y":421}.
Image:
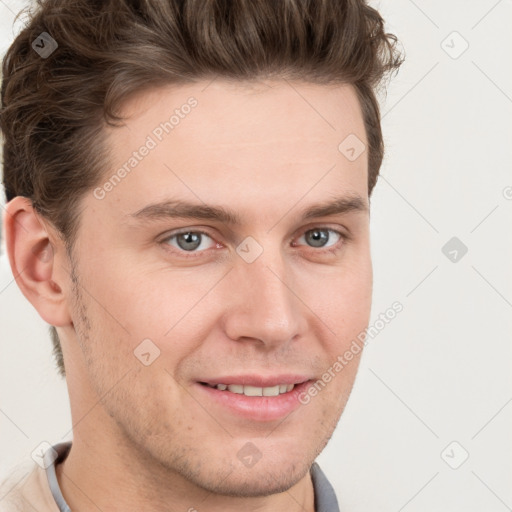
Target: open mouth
{"x":279,"y":389}
{"x":256,"y":398}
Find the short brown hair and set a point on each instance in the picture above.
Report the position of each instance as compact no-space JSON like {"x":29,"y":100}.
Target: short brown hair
{"x":55,"y":108}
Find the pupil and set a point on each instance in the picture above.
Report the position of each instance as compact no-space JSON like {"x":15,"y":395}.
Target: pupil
{"x":318,"y":238}
{"x":190,"y":241}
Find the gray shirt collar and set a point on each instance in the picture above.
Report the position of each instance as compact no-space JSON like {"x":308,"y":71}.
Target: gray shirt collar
{"x":325,"y":499}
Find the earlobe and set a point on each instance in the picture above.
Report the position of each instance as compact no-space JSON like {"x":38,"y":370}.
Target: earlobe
{"x":35,"y":262}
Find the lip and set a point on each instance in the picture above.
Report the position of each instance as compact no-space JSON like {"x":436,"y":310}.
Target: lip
{"x":259,"y":380}
{"x":256,"y":408}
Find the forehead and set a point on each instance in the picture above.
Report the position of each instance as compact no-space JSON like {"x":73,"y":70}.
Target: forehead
{"x":238,"y":142}
{"x":250,"y":113}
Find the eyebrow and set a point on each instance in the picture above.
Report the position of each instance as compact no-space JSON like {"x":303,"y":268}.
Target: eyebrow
{"x":183,"y":209}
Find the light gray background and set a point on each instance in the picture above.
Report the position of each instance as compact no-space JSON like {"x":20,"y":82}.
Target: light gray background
{"x":440,"y":371}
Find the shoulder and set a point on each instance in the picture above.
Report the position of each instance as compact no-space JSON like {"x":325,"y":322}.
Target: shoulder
{"x":11,"y":488}
{"x":26,"y":489}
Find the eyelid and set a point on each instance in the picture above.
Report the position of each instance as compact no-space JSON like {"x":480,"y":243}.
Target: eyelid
{"x":344,"y":233}
{"x":344,"y":237}
{"x":173,"y":234}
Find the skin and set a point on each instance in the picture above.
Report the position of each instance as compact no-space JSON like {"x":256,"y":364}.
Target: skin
{"x":147,"y":432}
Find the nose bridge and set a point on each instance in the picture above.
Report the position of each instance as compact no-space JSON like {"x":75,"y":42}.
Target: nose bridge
{"x":265,"y":307}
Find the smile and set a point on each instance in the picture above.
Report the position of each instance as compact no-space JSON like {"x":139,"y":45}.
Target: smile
{"x":253,"y":397}
{"x":239,"y":389}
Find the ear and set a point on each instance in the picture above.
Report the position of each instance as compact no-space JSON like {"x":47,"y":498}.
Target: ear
{"x":36,"y":255}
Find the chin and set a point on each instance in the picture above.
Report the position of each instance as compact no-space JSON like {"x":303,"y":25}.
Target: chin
{"x":254,"y":482}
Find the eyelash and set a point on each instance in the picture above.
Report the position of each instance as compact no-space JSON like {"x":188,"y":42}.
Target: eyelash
{"x":344,"y":238}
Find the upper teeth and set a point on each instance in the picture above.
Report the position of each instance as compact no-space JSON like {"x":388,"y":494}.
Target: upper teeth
{"x":255,"y":391}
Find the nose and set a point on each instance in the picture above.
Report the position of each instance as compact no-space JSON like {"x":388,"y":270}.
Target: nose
{"x":263,"y":305}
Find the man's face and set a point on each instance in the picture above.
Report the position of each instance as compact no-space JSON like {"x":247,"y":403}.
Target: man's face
{"x":267,"y":302}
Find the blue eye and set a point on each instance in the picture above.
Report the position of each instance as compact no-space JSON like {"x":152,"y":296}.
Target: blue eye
{"x":189,"y":241}
{"x":192,"y":243}
{"x":321,"y":238}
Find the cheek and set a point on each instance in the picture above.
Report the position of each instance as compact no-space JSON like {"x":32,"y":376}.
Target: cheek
{"x":146,"y":299}
{"x":165,"y":313}
{"x":345,"y":300}
{"x":350,"y":317}
{"x":132,"y":303}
